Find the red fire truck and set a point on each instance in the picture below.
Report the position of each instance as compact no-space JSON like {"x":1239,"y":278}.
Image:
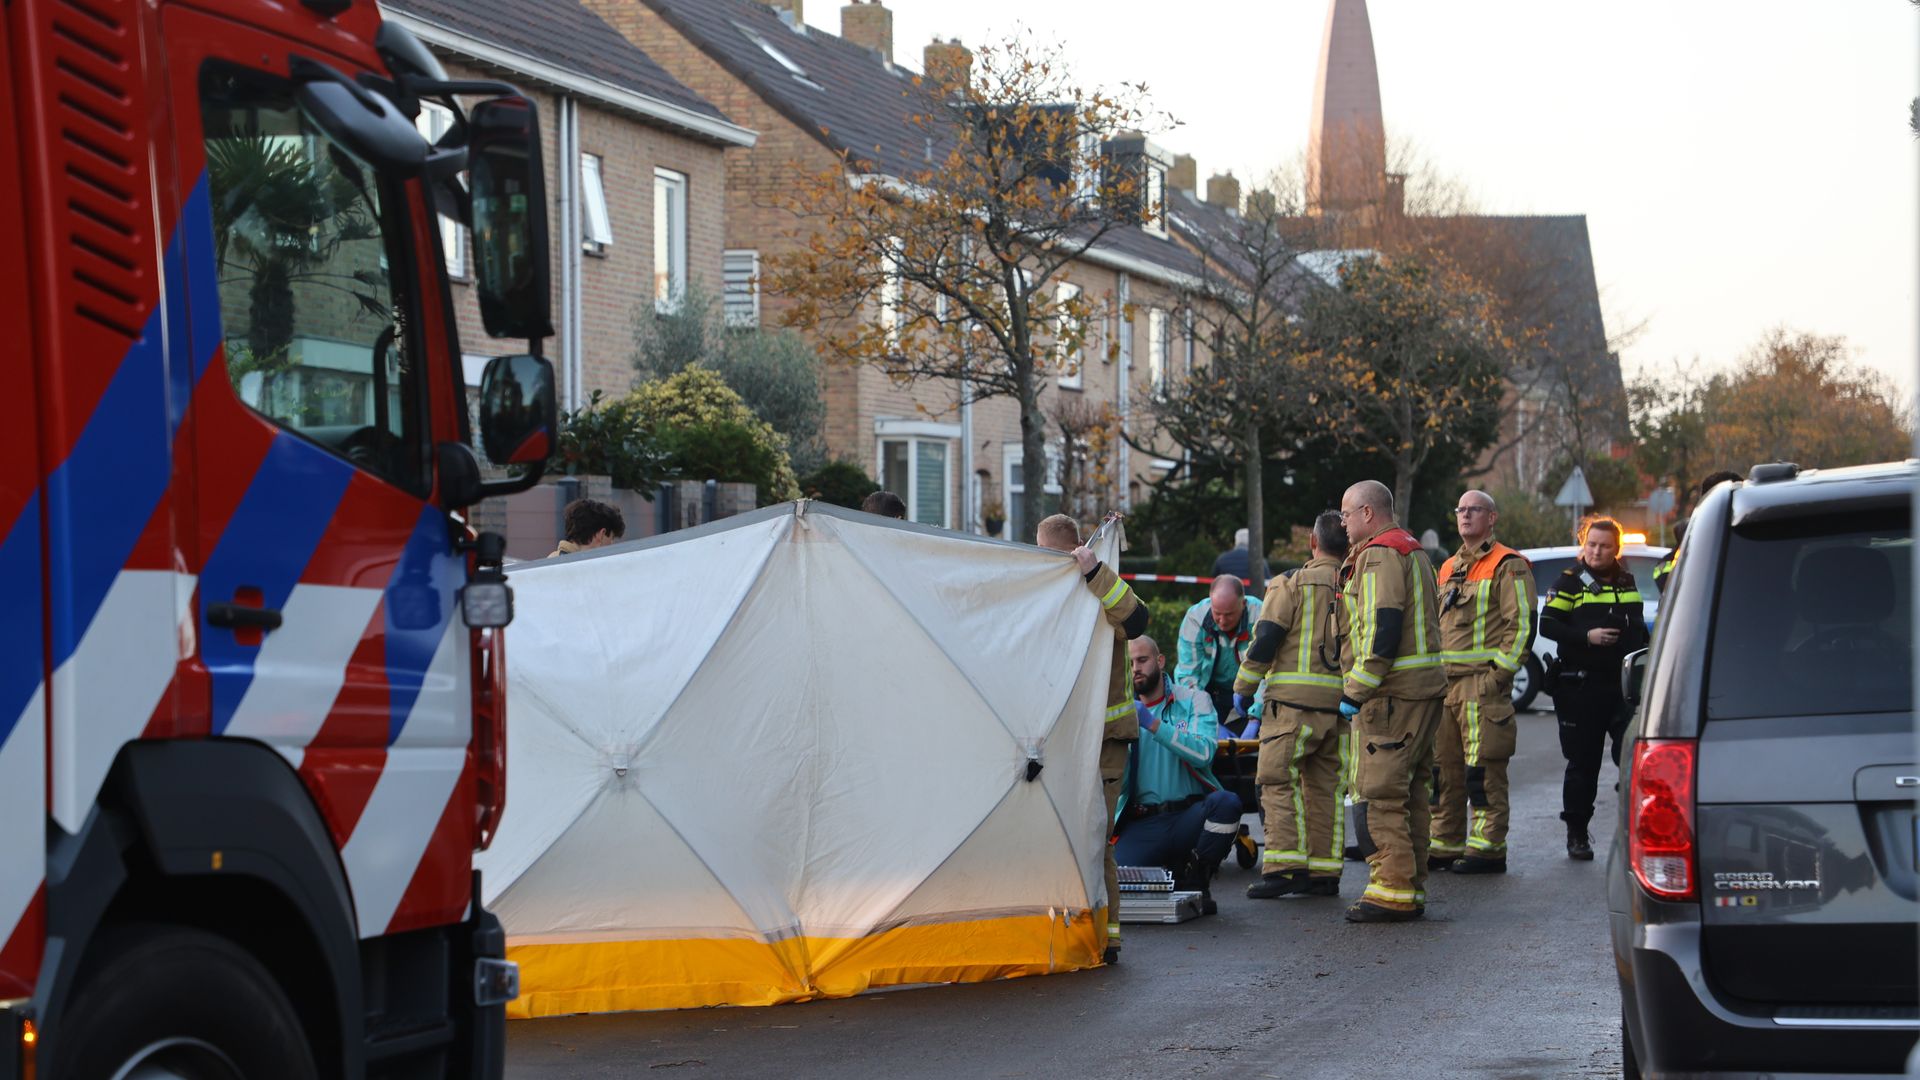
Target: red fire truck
{"x":251,"y":681}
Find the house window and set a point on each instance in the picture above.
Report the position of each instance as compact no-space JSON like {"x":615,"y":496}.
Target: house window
{"x":893,"y":292}
{"x":596,"y":228}
{"x":740,"y":270}
{"x":916,"y":470}
{"x":669,"y":238}
{"x":1153,"y":201}
{"x":1069,"y":363}
{"x":1018,"y":527}
{"x":435,"y":121}
{"x":1157,"y":346}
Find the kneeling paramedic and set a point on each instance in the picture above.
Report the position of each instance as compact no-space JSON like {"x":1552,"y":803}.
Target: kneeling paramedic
{"x":1173,"y":814}
{"x":1295,"y":657}
{"x":1486,"y":630}
{"x":1127,"y":616}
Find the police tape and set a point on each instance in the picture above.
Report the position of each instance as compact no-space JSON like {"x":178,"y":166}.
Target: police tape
{"x":1177,"y":579}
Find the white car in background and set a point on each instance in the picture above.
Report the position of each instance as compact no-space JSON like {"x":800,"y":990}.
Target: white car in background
{"x":1548,"y":564}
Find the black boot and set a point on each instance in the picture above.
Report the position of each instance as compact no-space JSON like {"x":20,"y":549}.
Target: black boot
{"x":1273,"y":886}
{"x":1579,"y":844}
{"x":1368,"y":912}
{"x":1442,"y":862}
{"x":1352,"y":853}
{"x":1321,"y":886}
{"x":1477,"y":864}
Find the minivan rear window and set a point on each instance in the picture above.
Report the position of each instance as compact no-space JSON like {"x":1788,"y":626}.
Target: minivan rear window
{"x":1814,"y":619}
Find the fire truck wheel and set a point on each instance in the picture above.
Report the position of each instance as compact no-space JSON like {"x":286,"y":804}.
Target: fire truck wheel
{"x":176,"y":1002}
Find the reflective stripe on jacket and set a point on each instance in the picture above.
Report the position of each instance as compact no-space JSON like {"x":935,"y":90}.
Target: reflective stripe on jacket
{"x":1205,"y":651}
{"x":1393,"y":623}
{"x":1581,"y":602}
{"x":1296,"y":650}
{"x":1128,"y":617}
{"x":1486,"y":609}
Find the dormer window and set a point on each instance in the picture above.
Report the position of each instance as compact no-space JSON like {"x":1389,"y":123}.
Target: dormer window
{"x":1134,"y":181}
{"x":1153,"y":200}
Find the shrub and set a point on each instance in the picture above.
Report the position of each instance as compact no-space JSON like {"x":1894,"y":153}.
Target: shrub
{"x":608,"y":439}
{"x":841,"y":483}
{"x":697,"y":398}
{"x":723,"y":450}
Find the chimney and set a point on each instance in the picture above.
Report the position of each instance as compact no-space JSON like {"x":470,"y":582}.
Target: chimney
{"x":1185,"y":175}
{"x":1224,"y":191}
{"x":791,"y":12}
{"x":948,"y":63}
{"x":868,"y":23}
{"x":1262,"y":206}
{"x":1397,"y":194}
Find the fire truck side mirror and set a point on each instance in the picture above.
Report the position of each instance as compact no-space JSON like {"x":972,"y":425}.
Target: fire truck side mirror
{"x":519,"y":420}
{"x":509,"y":197}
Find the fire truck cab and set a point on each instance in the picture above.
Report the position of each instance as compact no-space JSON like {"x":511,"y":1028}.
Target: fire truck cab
{"x":251,"y":665}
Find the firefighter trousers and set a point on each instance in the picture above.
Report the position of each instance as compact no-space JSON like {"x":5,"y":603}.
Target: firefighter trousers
{"x":1470,"y":755}
{"x":1393,"y":764}
{"x":1302,"y":773}
{"x":1113,"y":772}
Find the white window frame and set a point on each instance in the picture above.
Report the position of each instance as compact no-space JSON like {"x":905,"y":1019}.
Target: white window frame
{"x":893,"y":289}
{"x":1159,"y":346}
{"x":673,"y":187}
{"x":596,"y":225}
{"x":1153,"y":200}
{"x":916,"y":436}
{"x":741,"y":304}
{"x":1064,"y":292}
{"x":434,"y":121}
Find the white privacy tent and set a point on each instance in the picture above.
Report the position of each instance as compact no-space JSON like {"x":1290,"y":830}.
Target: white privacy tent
{"x":786,"y":756}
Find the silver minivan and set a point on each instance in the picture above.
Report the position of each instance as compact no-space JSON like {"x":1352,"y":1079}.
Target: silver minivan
{"x":1764,"y":882}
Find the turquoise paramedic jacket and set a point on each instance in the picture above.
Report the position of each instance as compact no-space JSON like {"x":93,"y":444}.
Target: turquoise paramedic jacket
{"x":1185,"y":738}
{"x":1208,"y":656}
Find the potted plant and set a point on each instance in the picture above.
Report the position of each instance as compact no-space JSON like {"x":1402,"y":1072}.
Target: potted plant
{"x":993,"y":516}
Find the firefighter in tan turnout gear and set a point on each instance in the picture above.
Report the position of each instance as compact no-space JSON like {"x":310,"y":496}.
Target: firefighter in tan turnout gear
{"x":1128,"y":617}
{"x":1486,"y":630}
{"x":1392,"y":693}
{"x":1294,"y":664}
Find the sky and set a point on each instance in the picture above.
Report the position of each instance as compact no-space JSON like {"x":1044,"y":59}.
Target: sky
{"x":1742,"y":164}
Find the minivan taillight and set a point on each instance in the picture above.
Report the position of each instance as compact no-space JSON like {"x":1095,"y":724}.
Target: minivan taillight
{"x":1660,"y":818}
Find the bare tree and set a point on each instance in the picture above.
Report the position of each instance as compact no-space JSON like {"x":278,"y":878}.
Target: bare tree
{"x":952,"y":274}
{"x":1256,"y":399}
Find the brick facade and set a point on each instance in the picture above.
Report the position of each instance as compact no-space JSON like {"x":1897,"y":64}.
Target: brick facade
{"x":860,"y":401}
{"x":617,"y":282}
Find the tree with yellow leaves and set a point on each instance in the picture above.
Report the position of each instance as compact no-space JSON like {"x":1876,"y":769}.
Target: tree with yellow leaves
{"x":952,"y":274}
{"x":1416,"y":359}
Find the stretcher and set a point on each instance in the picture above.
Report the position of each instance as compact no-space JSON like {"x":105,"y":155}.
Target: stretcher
{"x":1234,"y":763}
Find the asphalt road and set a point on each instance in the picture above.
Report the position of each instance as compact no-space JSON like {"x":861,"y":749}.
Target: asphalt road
{"x":1506,"y":977}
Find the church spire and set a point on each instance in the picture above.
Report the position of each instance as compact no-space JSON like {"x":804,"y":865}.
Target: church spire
{"x":1347,"y":147}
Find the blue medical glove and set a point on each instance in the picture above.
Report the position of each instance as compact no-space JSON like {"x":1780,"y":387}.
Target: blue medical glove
{"x":1145,"y":715}
{"x":1242,"y":703}
{"x":1252,"y":730}
{"x":1349,"y":708}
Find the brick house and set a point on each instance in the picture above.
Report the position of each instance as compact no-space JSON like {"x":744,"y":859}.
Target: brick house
{"x":635,"y":173}
{"x":813,"y":96}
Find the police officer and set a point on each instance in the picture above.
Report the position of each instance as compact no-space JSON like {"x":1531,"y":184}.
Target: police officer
{"x":1128,"y":617}
{"x":1486,"y":631}
{"x":1294,"y":664}
{"x":1214,"y":635}
{"x":1392,"y":693}
{"x":1594,"y":614}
